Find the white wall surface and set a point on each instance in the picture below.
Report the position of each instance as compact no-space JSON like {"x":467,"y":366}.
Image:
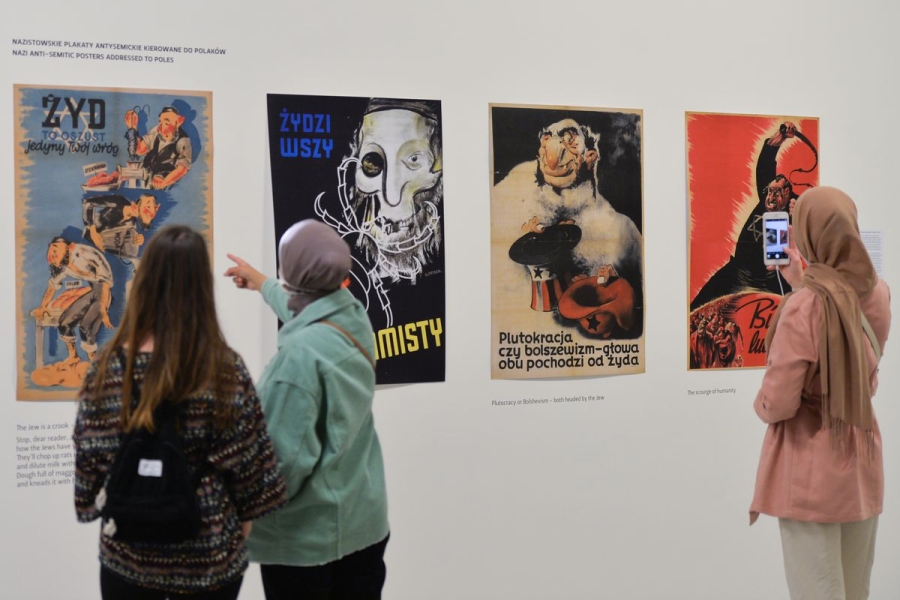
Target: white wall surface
{"x":641,"y":496}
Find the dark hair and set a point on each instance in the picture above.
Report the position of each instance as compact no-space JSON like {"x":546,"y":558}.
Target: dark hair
{"x":172,"y":302}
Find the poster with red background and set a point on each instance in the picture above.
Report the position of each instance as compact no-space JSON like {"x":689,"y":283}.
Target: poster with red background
{"x":738,"y":168}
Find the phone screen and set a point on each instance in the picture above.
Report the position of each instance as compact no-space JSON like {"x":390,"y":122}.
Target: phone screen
{"x":776,"y":238}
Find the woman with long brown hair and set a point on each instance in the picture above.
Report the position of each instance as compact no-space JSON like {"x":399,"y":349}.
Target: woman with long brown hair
{"x":821,"y":471}
{"x":169,"y":349}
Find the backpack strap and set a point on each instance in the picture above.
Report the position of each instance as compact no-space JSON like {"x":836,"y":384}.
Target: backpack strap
{"x":352,"y":339}
{"x":867,"y":327}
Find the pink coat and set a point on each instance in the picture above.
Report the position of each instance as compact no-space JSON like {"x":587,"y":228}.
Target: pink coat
{"x":801,"y":474}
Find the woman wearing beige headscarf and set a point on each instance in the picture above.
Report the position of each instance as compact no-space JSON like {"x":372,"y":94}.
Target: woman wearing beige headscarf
{"x":821,"y":470}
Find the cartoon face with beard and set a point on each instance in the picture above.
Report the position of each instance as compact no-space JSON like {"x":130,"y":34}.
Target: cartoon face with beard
{"x":58,"y":255}
{"x":398,"y":187}
{"x":567,"y":155}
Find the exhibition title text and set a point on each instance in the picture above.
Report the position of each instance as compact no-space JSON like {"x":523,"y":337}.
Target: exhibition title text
{"x":106,"y":51}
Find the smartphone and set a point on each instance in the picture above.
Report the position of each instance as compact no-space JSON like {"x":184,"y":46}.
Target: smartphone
{"x":775,"y":238}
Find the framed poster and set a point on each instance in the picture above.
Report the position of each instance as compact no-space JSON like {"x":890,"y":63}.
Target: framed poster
{"x":739,"y":167}
{"x":567,"y":271}
{"x":372,"y":168}
{"x":97,"y":172}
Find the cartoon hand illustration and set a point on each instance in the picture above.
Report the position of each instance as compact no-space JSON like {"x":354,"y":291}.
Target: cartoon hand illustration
{"x":96,"y":238}
{"x":131,"y":119}
{"x":532,"y":225}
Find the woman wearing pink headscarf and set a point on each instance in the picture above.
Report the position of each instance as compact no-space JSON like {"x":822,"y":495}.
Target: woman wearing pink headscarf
{"x":820,"y":471}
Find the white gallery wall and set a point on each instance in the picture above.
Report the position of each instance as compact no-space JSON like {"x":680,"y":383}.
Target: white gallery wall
{"x":642,"y":495}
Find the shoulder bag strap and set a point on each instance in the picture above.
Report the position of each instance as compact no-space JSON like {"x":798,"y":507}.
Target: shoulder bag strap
{"x":352,"y":339}
{"x":869,"y":332}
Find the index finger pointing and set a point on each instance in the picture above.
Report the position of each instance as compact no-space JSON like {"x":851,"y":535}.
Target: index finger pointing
{"x":237,"y":260}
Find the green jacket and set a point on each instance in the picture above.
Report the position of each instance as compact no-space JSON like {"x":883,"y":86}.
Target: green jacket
{"x":316,"y":394}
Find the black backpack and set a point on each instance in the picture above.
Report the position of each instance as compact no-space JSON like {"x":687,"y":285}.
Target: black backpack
{"x":151,"y":494}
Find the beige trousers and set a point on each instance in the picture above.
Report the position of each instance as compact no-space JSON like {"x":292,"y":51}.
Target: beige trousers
{"x":828,"y":561}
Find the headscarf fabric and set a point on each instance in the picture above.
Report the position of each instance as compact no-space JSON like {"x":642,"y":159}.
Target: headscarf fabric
{"x":840,"y":272}
{"x":314,"y":261}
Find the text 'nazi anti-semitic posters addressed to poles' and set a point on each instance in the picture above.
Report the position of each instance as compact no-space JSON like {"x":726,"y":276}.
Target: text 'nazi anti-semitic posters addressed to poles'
{"x":24,"y":48}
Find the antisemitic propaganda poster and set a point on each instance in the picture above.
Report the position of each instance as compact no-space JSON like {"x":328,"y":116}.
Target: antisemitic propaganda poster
{"x":97,"y":171}
{"x":372,"y":169}
{"x":567,"y":274}
{"x":739,"y":168}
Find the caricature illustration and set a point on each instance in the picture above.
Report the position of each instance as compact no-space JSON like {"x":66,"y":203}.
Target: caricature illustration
{"x":377,"y":164}
{"x":111,"y":222}
{"x":77,"y":312}
{"x":165,"y":150}
{"x":567,"y":205}
{"x":90,"y":193}
{"x":602,"y":305}
{"x":740,"y":167}
{"x":561,"y":187}
{"x":393,"y":202}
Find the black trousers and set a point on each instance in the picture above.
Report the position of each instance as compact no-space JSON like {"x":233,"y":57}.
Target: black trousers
{"x":113,"y":587}
{"x":357,"y":576}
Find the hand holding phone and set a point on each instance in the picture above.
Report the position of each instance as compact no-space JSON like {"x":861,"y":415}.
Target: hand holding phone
{"x":792,"y":272}
{"x":776,"y":238}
